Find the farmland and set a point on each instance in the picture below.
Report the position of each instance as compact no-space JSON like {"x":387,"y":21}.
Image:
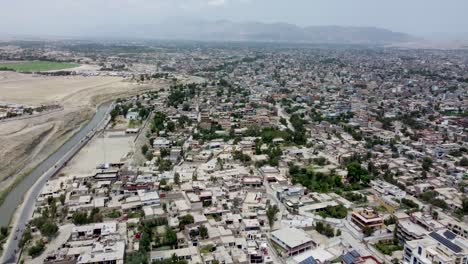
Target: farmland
{"x":35,"y":66}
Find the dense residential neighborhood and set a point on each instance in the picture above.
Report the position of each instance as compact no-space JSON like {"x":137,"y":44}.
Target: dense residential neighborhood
{"x":262,"y":154}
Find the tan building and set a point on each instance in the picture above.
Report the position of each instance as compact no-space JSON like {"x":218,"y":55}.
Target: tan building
{"x":367,"y":218}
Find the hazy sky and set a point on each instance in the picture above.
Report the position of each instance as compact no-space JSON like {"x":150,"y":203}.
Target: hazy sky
{"x":76,"y":17}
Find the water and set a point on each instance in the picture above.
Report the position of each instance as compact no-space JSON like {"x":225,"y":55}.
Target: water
{"x":15,"y":197}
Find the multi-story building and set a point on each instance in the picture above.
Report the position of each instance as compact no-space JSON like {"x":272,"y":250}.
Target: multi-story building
{"x":457,"y":227}
{"x":443,"y":247}
{"x":416,"y":226}
{"x":367,"y":218}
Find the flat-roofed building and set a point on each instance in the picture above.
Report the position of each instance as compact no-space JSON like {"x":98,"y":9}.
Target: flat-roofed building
{"x":441,"y":246}
{"x":112,"y":252}
{"x":367,"y":218}
{"x":188,"y":253}
{"x":294,"y":241}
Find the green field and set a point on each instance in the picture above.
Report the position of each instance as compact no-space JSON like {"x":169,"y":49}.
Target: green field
{"x":36,"y":66}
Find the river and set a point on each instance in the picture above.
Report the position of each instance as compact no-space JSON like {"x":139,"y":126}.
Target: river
{"x":15,"y":197}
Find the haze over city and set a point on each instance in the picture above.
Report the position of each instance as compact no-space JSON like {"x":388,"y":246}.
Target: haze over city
{"x":422,"y":18}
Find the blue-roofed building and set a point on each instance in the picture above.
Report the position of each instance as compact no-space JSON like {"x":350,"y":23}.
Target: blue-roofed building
{"x":309,"y":260}
{"x":442,"y":246}
{"x":353,"y":257}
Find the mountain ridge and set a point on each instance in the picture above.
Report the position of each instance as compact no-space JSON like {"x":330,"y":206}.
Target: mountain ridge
{"x":225,"y":30}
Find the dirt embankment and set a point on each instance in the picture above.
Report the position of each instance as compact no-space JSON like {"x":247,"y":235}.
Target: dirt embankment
{"x":25,"y":143}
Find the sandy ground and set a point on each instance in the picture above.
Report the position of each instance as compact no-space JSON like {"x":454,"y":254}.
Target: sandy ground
{"x":105,"y":148}
{"x":26,"y":142}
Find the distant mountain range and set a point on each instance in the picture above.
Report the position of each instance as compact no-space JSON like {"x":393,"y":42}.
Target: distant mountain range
{"x":269,"y":32}
{"x":224,"y":30}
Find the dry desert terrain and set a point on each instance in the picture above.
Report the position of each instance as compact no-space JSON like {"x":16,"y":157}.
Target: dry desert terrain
{"x":26,"y":142}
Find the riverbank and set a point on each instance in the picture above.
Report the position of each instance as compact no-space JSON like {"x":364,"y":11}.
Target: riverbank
{"x":41,"y":174}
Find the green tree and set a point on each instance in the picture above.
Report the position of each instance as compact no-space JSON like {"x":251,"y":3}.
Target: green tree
{"x":357,"y":174}
{"x":186,"y":220}
{"x":4,"y":231}
{"x":177,"y":178}
{"x":49,"y":229}
{"x":170,"y":237}
{"x":271,"y":214}
{"x":144,"y":149}
{"x":203,"y":232}
{"x":145,"y":241}
{"x":426,"y":163}
{"x":37,"y":249}
{"x":27,"y":236}
{"x":367,"y":231}
{"x":170,"y":126}
{"x":62,"y":198}
{"x":80,"y":218}
{"x":50,"y":200}
{"x":137,"y":257}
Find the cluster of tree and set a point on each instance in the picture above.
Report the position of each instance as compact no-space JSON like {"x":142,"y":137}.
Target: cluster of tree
{"x":182,"y":92}
{"x":3,"y":68}
{"x":27,"y":236}
{"x":464,"y":210}
{"x":357,"y":174}
{"x":338,"y":211}
{"x":390,"y":220}
{"x":160,"y":75}
{"x":120,"y":109}
{"x":45,"y":225}
{"x":268,"y":134}
{"x":37,"y":249}
{"x":326,"y":230}
{"x":388,"y":247}
{"x":184,"y":120}
{"x":320,"y":161}
{"x":82,"y":218}
{"x":431,"y":197}
{"x":151,"y":236}
{"x":410,"y":203}
{"x":426,"y":163}
{"x":238,"y":155}
{"x":148,"y":235}
{"x":274,"y":153}
{"x":113,"y":214}
{"x":409,"y":119}
{"x":136,"y":257}
{"x":164,"y":164}
{"x":185,"y":220}
{"x":210,"y":134}
{"x":299,"y":133}
{"x":158,"y":122}
{"x":355,"y":197}
{"x":357,"y":135}
{"x":315,"y":181}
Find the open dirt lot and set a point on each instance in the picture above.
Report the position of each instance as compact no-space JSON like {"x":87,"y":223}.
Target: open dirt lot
{"x":108,"y":147}
{"x":26,"y":142}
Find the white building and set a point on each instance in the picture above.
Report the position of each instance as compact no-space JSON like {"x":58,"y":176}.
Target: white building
{"x":443,"y":247}
{"x":294,"y":241}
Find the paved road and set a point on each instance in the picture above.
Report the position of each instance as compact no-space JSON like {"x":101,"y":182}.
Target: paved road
{"x":34,"y":183}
